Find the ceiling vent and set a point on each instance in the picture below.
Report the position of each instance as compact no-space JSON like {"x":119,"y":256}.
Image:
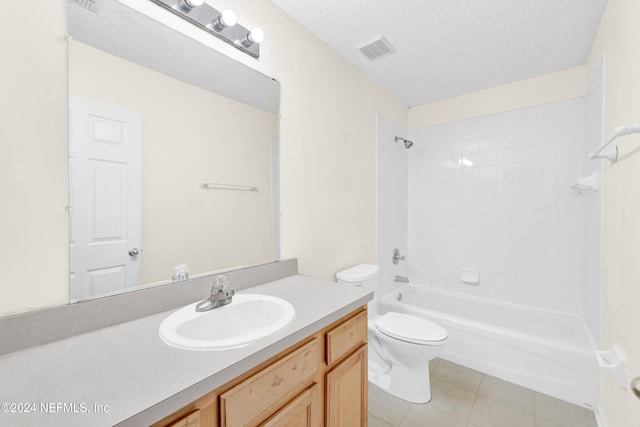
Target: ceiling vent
{"x":376,"y":48}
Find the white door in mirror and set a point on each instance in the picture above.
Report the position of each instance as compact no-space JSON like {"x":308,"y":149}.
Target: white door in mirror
{"x":105,"y":147}
{"x":248,"y":318}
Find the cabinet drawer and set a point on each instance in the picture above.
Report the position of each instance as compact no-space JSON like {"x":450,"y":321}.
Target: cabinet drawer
{"x":254,"y":399}
{"x":346,"y":337}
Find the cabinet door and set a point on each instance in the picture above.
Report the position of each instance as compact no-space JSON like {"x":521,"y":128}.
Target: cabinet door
{"x":346,"y":391}
{"x":191,"y":420}
{"x":302,"y":411}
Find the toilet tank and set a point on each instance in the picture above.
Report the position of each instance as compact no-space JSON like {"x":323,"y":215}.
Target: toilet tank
{"x":366,"y":276}
{"x":363,"y":275}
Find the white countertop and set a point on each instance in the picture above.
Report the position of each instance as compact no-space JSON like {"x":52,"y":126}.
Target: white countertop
{"x":138,"y":379}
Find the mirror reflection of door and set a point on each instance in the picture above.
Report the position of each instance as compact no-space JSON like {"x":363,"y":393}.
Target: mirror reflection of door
{"x":105,"y":180}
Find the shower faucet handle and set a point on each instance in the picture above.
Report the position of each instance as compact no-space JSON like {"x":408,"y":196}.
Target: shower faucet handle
{"x":397,"y":257}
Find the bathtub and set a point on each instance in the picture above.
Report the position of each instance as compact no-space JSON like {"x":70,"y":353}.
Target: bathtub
{"x":544,"y":351}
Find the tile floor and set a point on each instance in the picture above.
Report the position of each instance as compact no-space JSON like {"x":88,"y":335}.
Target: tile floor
{"x":462,"y":397}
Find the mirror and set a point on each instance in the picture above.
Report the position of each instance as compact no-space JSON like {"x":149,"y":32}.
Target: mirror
{"x":153,"y":113}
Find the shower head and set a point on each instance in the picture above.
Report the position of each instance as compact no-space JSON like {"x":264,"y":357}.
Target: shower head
{"x":407,"y":144}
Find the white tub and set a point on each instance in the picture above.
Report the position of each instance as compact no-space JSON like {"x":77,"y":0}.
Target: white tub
{"x":544,"y":351}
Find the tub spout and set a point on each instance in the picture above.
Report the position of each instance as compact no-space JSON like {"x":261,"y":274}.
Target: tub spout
{"x":402,"y":279}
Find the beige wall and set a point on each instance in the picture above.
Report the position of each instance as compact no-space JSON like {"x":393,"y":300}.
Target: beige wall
{"x":618,"y":40}
{"x":189,"y":134}
{"x":328,"y":133}
{"x":33,"y":156}
{"x":553,"y":87}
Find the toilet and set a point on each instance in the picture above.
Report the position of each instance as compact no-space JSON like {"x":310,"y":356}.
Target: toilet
{"x":400,"y":345}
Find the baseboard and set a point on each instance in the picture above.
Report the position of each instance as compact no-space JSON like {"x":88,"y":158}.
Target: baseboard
{"x":601,"y":420}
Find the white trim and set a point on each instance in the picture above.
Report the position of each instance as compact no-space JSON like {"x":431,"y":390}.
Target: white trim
{"x":601,"y":420}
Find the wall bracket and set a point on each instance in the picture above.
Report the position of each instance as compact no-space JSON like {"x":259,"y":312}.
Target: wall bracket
{"x":614,"y":362}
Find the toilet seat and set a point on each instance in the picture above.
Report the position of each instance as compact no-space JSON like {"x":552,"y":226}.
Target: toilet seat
{"x":413,"y":329}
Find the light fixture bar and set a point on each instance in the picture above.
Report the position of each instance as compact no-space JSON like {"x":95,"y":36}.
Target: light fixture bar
{"x":205,"y":17}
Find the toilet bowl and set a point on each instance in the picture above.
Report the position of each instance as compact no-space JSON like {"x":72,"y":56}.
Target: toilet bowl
{"x":404,"y":344}
{"x":400,"y":345}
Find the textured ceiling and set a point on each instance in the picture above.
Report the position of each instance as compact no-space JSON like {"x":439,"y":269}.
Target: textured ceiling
{"x":451,"y":47}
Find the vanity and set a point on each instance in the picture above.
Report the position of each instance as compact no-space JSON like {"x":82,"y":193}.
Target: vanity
{"x":321,"y":380}
{"x":313,"y":372}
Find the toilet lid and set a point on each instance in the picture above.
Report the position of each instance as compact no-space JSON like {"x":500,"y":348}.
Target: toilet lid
{"x":410,"y":328}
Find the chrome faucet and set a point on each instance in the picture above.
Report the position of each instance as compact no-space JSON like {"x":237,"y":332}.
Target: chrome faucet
{"x":402,"y":279}
{"x":219,"y":295}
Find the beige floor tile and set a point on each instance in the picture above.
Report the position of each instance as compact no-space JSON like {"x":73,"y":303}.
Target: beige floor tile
{"x":509,"y":394}
{"x":429,"y":415}
{"x":433,"y":364}
{"x":487,"y":413}
{"x":387,"y":408}
{"x":451,"y":399}
{"x":376,"y":422}
{"x":459,"y":393}
{"x":562,"y":413}
{"x":457,"y":375}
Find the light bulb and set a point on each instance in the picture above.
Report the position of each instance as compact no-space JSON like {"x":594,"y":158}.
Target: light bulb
{"x":227,"y":19}
{"x":256,"y":35}
{"x":188,"y":5}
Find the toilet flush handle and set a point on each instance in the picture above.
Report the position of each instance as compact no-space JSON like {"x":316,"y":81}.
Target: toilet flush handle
{"x":635,"y":386}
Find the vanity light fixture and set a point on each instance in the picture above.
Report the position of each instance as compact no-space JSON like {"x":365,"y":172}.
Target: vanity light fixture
{"x":220,"y":24}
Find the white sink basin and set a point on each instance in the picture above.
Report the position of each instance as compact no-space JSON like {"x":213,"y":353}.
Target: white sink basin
{"x":245,"y":320}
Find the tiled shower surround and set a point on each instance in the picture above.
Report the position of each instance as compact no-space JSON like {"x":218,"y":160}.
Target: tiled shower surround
{"x":493,"y":194}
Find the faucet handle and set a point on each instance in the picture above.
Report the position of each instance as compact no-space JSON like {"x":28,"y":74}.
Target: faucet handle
{"x":397,"y":257}
{"x":221,"y":282}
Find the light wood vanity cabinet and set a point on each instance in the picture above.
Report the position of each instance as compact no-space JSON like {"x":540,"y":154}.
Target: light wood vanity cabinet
{"x":320,"y":381}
